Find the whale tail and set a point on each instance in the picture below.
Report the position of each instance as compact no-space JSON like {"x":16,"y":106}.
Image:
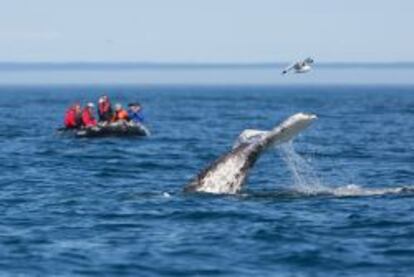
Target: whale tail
{"x":284,"y":132}
{"x":228,"y":173}
{"x":249,"y":136}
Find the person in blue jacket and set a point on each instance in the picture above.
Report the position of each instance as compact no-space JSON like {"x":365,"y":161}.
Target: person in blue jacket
{"x":135,"y":113}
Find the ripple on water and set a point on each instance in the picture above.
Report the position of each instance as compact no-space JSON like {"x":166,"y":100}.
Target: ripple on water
{"x":115,"y":206}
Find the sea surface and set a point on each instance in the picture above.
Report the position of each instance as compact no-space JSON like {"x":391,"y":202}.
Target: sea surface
{"x":337,"y":201}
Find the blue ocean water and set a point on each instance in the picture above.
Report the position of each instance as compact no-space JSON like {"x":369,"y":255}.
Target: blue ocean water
{"x":114,"y":206}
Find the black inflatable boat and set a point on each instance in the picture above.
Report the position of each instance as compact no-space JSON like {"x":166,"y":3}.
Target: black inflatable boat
{"x":117,"y":129}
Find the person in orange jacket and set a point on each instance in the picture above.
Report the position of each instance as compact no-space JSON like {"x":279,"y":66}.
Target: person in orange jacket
{"x":88,"y":119}
{"x":120,"y":113}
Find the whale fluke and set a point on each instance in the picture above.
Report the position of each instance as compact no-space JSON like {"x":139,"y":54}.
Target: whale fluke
{"x":228,"y":173}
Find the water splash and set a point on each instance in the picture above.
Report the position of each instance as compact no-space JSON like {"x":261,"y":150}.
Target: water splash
{"x":355,"y":190}
{"x":304,"y":177}
{"x":306,"y":181}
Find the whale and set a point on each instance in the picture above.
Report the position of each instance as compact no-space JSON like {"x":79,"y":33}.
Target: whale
{"x":228,"y":174}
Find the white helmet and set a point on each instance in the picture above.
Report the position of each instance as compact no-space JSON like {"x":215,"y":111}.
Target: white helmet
{"x":118,"y":106}
{"x":90,"y":105}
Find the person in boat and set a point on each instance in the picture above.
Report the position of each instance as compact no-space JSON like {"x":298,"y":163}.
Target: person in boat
{"x":104,"y":109}
{"x":88,"y":119}
{"x":73,"y":117}
{"x":135,"y":112}
{"x":120,"y":114}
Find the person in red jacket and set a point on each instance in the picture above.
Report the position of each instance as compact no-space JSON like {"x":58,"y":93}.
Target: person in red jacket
{"x":104,"y":109}
{"x":88,"y":119}
{"x":73,"y":117}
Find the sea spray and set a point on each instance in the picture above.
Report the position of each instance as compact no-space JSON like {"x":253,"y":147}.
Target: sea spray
{"x":304,"y":177}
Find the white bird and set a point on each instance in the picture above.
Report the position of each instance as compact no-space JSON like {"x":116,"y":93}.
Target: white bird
{"x":300,"y":66}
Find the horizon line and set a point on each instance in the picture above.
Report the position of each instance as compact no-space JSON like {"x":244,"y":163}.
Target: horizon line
{"x":68,"y":65}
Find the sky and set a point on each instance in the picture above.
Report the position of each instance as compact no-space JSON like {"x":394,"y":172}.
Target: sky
{"x":213,"y":31}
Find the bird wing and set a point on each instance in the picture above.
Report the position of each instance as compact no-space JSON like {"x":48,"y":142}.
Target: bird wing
{"x":289,"y":68}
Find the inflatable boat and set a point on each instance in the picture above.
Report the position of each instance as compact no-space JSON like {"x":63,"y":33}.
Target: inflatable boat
{"x":117,"y":129}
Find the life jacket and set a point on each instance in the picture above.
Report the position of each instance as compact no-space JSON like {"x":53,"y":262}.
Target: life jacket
{"x":105,"y":111}
{"x":120,"y":115}
{"x":69,"y":120}
{"x":72,"y":118}
{"x":136,"y":117}
{"x":87,"y":118}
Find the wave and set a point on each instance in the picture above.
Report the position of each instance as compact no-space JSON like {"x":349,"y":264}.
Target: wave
{"x":345,"y":191}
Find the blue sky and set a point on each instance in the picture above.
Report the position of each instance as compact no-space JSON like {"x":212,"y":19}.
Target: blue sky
{"x":206,"y":31}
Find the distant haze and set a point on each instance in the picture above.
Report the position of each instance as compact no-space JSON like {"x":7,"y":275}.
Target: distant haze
{"x":194,"y":31}
{"x":201,"y":74}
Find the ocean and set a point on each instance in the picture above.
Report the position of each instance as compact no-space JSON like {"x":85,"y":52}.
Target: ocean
{"x":337,"y":201}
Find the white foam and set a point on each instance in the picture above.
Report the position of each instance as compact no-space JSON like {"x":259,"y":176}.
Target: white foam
{"x":166,"y":194}
{"x":355,"y":190}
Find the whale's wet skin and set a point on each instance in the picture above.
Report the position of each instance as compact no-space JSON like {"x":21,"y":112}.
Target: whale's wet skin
{"x":338,"y":200}
{"x":228,"y":173}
